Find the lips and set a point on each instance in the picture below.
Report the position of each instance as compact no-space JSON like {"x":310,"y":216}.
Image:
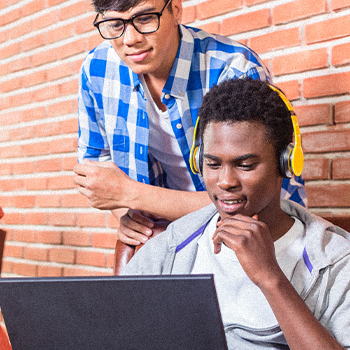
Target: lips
{"x":231,"y":205}
{"x":138,"y":56}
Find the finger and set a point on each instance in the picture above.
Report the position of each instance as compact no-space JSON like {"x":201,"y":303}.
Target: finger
{"x":140,"y":218}
{"x":134,"y":228}
{"x":126,"y":239}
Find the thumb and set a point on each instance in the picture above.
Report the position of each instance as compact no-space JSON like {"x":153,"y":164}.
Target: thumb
{"x":255,"y":217}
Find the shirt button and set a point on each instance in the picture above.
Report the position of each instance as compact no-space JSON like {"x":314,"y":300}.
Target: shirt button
{"x":167,"y":96}
{"x":181,"y":93}
{"x":179,"y":126}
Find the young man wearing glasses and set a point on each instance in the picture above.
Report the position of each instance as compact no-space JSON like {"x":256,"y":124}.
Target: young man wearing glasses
{"x":140,"y":91}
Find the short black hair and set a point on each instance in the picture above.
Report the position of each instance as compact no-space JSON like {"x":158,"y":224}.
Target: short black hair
{"x":239,"y":100}
{"x":102,"y":6}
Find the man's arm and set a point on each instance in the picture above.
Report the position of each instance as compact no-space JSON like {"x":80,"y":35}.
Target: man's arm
{"x":253,"y":245}
{"x":107,"y":187}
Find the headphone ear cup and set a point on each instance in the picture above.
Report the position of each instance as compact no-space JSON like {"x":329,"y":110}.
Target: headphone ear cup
{"x":199,"y":159}
{"x":284,"y":168}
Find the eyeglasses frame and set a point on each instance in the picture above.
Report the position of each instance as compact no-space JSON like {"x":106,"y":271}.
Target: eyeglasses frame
{"x":131,"y":21}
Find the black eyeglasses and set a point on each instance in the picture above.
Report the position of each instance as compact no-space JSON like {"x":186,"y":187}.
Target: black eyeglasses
{"x":145,"y":23}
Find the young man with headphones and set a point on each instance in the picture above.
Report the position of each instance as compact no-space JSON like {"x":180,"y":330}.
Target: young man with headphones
{"x":139,"y":95}
{"x":281,"y":272}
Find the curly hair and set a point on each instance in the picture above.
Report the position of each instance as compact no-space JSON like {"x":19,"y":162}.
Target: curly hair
{"x":252,"y":101}
{"x":102,"y":6}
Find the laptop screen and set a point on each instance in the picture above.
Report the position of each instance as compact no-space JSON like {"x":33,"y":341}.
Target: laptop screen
{"x":112,"y":312}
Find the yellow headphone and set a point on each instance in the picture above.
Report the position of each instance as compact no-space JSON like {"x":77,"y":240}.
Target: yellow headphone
{"x":292,"y":158}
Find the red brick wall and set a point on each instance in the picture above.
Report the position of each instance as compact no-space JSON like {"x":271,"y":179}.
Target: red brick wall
{"x":51,"y":230}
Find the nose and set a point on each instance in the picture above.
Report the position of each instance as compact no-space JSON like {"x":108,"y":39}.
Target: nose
{"x":228,"y":179}
{"x":131,"y":36}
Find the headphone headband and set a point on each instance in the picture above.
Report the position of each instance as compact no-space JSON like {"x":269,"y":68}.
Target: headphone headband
{"x":292,"y":158}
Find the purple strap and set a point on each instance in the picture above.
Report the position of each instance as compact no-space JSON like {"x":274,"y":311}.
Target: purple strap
{"x":190,"y":238}
{"x":307,"y":261}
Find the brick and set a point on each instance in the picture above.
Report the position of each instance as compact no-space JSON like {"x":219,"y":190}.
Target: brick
{"x":36,"y":149}
{"x":35,"y":218}
{"x":60,"y":182}
{"x":13,"y":185}
{"x":36,"y":184}
{"x":58,"y":72}
{"x":6,"y":169}
{"x":23,"y":236}
{"x":70,"y":87}
{"x":45,"y":20}
{"x":33,"y":42}
{"x":62,"y":255}
{"x":91,"y":258}
{"x":97,"y":219}
{"x":76,"y":271}
{"x":10,"y":17}
{"x":36,"y":78}
{"x":22,"y":133}
{"x":70,"y":125}
{"x":339,"y":4}
{"x":84,"y":25}
{"x":341,"y":55}
{"x":33,"y":7}
{"x":314,"y":114}
{"x":213,"y":8}
{"x":326,"y":141}
{"x":11,"y":85}
{"x":23,"y":201}
{"x":48,"y":201}
{"x":48,"y":237}
{"x":280,"y":39}
{"x":49,"y":271}
{"x":342,"y":112}
{"x":11,"y":152}
{"x":62,"y":219}
{"x":291,"y":89}
{"x":327,"y":85}
{"x":60,"y":108}
{"x":44,"y":57}
{"x":60,"y":33}
{"x":341,"y":168}
{"x":212,"y":27}
{"x":13,"y":251}
{"x":300,"y":62}
{"x":22,"y":99}
{"x":104,"y":240}
{"x":24,"y":269}
{"x":74,"y":48}
{"x":73,"y":10}
{"x":246,"y":22}
{"x":20,"y":30}
{"x":35,"y":253}
{"x":330,"y":195}
{"x":75,"y":201}
{"x":47,"y":129}
{"x":47,"y":93}
{"x":20,"y":64}
{"x":34,"y":114}
{"x":24,"y":168}
{"x":69,"y":163}
{"x":48,"y":165}
{"x":296,"y":10}
{"x":317,"y":169}
{"x":63,"y":145}
{"x":93,"y":41}
{"x":12,"y":218}
{"x":189,"y":14}
{"x":326,"y":30}
{"x":77,"y":238}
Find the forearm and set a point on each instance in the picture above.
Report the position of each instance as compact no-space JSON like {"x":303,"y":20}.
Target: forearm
{"x":166,"y":203}
{"x":300,"y":328}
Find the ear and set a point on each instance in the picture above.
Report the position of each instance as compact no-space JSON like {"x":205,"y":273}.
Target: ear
{"x":177,"y":10}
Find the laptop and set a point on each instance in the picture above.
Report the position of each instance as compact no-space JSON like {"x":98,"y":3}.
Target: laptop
{"x":177,"y":312}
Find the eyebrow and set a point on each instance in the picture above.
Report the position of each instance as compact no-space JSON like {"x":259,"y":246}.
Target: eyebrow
{"x":141,"y":12}
{"x":237,"y":159}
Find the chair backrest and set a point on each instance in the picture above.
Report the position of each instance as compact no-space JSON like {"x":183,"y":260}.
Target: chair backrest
{"x":4,"y":340}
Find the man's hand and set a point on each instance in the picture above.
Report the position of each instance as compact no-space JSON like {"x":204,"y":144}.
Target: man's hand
{"x":104,"y":184}
{"x":137,"y":227}
{"x":250,"y":239}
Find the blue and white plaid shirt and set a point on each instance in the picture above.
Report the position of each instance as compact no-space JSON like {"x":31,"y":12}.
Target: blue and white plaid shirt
{"x":113,"y":122}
